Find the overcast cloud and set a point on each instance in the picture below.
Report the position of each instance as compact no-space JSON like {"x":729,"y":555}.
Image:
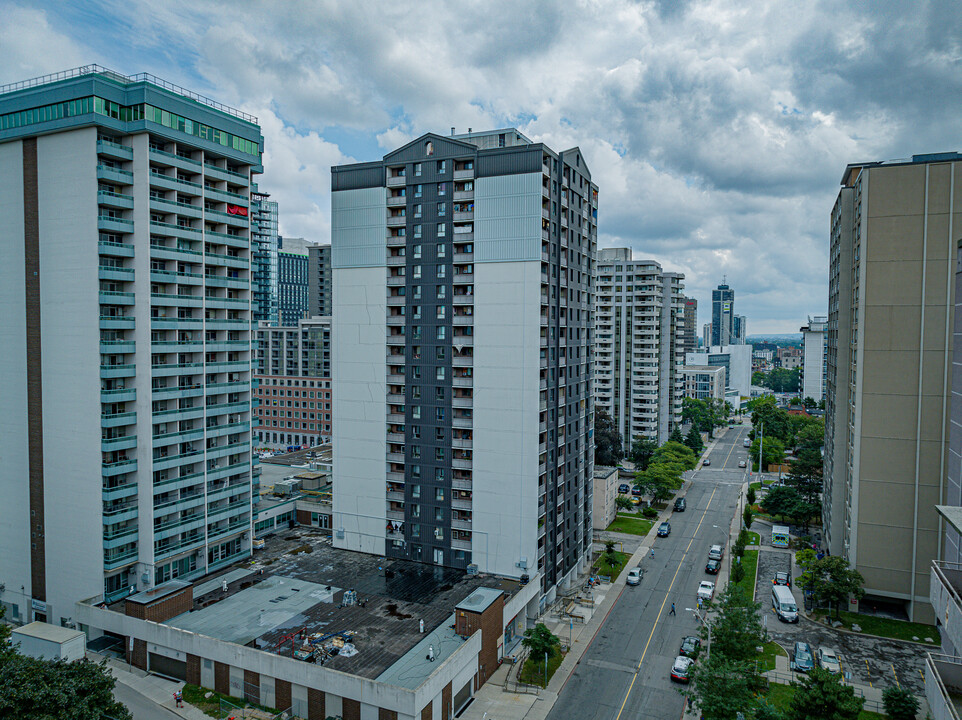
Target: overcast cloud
{"x":717,"y":131}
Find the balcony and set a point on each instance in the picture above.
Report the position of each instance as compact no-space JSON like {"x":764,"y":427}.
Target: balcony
{"x":113,"y":174}
{"x":396,"y":221}
{"x":125,"y":442}
{"x":943,"y":686}
{"x":945,"y":591}
{"x":396,"y":181}
{"x":398,"y":201}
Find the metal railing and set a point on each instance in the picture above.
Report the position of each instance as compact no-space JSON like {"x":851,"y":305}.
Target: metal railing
{"x":125,"y":80}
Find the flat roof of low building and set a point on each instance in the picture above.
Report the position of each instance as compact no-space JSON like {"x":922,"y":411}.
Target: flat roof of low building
{"x":297,"y":589}
{"x":480,"y":600}
{"x":46,"y":631}
{"x":414,"y":667}
{"x":158,"y":592}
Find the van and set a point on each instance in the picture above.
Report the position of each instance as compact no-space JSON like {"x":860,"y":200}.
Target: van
{"x":783,"y":603}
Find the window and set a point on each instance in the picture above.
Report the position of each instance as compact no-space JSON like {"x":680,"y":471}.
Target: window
{"x":442,"y":291}
{"x":440,"y":373}
{"x":416,"y":491}
{"x":439,"y":514}
{"x":416,"y":371}
{"x":439,"y":492}
{"x":416,"y":412}
{"x":442,"y":250}
{"x":439,"y":393}
{"x":417,"y":231}
{"x":417,"y":292}
{"x":441,"y":271}
{"x":442,"y":166}
{"x":415,"y":451}
{"x":417,"y":169}
{"x":440,"y":413}
{"x":441,"y":333}
{"x":439,"y":434}
{"x":415,"y":392}
{"x":439,"y":353}
{"x":417,"y":209}
{"x":442,"y":188}
{"x":417,"y":272}
{"x":440,"y":312}
{"x":417,"y":248}
{"x":442,"y":209}
{"x":416,"y":312}
{"x":416,"y":432}
{"x":439,"y":454}
{"x":442,"y":229}
{"x":418,"y":190}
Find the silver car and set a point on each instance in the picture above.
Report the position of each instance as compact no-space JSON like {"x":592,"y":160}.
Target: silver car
{"x":634,"y":576}
{"x":828,"y":660}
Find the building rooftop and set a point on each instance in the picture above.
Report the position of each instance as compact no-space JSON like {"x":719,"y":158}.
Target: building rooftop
{"x":299,"y":588}
{"x":122,"y":79}
{"x":479,"y":600}
{"x":157,"y":592}
{"x":46,"y":631}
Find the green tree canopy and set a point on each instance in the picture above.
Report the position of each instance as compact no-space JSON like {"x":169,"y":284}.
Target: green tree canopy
{"x":608,"y":446}
{"x":721,"y":688}
{"x":900,"y":703}
{"x":693,"y":441}
{"x":819,"y":694}
{"x":832,"y":580}
{"x":737,"y":627}
{"x":539,"y":640}
{"x":773,"y":451}
{"x":788,"y":503}
{"x":642,"y":448}
{"x":776,"y":421}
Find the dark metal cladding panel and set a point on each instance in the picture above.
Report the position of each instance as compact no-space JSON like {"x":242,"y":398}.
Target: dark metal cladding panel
{"x":515,"y":160}
{"x":428,"y":147}
{"x":354,"y":177}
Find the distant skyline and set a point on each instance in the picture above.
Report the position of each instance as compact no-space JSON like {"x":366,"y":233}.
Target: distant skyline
{"x":717,"y":131}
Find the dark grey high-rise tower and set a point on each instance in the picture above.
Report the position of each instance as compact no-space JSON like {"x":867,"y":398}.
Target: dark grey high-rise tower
{"x":462,"y":280}
{"x":319,"y":279}
{"x":722,"y":315}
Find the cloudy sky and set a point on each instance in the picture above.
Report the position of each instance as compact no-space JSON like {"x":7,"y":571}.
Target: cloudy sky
{"x":717,"y":131}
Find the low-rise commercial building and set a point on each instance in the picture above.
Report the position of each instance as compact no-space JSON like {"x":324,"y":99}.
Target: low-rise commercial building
{"x":737,"y":361}
{"x":603,"y":507}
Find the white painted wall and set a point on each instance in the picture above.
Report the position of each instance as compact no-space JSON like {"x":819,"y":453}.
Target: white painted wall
{"x":359,"y":370}
{"x":14,"y":468}
{"x":70,"y":311}
{"x":812,"y":359}
{"x":506,"y":388}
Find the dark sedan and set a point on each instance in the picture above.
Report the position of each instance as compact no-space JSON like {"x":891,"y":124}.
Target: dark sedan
{"x":690,"y":646}
{"x":713,"y":567}
{"x":664,"y":529}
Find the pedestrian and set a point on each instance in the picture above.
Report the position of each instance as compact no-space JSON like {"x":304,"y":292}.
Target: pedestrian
{"x":179,"y":698}
{"x":672,"y":609}
{"x":653,"y":553}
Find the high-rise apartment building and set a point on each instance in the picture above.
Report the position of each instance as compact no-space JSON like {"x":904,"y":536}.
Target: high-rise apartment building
{"x":294,"y":386}
{"x":462,"y":355}
{"x":319,"y":279}
{"x":292,"y":280}
{"x":723,"y":316}
{"x":126,"y":361}
{"x":639,"y":348}
{"x":739,"y":330}
{"x":706,"y":335}
{"x":264,"y":245}
{"x":814,"y":358}
{"x":689,"y":333}
{"x":889,"y":361}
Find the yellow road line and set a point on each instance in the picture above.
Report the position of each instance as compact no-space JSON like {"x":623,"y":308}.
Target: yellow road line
{"x":663,"y":602}
{"x":895,"y":674}
{"x":725,"y":466}
{"x":869,"y":671}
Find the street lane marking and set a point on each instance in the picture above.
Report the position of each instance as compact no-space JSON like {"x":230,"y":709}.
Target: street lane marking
{"x":895,"y":674}
{"x":610,"y":665}
{"x":869,"y":671}
{"x":725,"y":466}
{"x":663,"y":602}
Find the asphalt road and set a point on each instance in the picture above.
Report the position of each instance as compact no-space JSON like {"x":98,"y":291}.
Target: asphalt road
{"x":141,"y":707}
{"x":625,"y":672}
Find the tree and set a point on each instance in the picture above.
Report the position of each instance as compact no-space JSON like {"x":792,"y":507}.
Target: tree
{"x":775,"y":420}
{"x":676,"y":436}
{"x":833,"y":581}
{"x":759,"y":378}
{"x":747,"y":517}
{"x":738,"y":573}
{"x":805,"y":474}
{"x":788,"y":503}
{"x":660,"y":481}
{"x":764,"y":711}
{"x":737,"y":628}
{"x":822,"y":695}
{"x":641,"y":451}
{"x":900,"y":703}
{"x":608,"y":447}
{"x":539,"y":640}
{"x":773,"y":452}
{"x":809,"y":403}
{"x":623,"y":503}
{"x":721,"y":688}
{"x":676,"y":453}
{"x":58,"y":690}
{"x":750,"y":495}
{"x":693,"y":441}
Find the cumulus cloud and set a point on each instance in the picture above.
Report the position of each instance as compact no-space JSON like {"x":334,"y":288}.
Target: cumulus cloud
{"x":716,"y":129}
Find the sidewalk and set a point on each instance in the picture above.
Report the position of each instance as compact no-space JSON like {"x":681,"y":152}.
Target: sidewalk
{"x":158,"y":690}
{"x":492,"y":701}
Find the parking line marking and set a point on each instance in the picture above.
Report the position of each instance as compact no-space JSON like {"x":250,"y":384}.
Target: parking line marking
{"x":662,"y":608}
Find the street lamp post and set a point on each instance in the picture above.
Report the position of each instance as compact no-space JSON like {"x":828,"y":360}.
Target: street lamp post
{"x":704,"y":621}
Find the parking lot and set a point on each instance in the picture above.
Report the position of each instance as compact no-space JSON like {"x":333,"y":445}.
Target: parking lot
{"x":867,"y":660}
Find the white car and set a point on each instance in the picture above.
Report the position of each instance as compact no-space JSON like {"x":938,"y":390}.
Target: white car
{"x":706,"y":590}
{"x":828,"y":660}
{"x":634,"y":576}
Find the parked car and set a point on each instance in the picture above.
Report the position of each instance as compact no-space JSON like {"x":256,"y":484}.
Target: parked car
{"x":624,"y":488}
{"x":782,"y":578}
{"x":784,"y":605}
{"x":636,"y":491}
{"x":741,"y":463}
{"x":681,"y":670}
{"x":706,"y":590}
{"x":634,"y":576}
{"x":713,"y":567}
{"x":746,"y":443}
{"x":828,"y":660}
{"x":802,"y":660}
{"x":690,"y":646}
{"x":679,"y":504}
{"x":717,"y":552}
{"x":706,"y":462}
{"x":664,"y":530}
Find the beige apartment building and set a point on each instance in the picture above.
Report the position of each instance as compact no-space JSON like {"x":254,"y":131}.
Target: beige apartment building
{"x":888,"y":372}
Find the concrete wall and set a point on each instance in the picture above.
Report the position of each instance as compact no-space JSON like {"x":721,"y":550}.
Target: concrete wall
{"x":71,"y":368}
{"x":359,"y":388}
{"x":506,"y":406}
{"x":14,"y":486}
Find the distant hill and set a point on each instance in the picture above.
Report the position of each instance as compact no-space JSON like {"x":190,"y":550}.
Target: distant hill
{"x":775,"y":339}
